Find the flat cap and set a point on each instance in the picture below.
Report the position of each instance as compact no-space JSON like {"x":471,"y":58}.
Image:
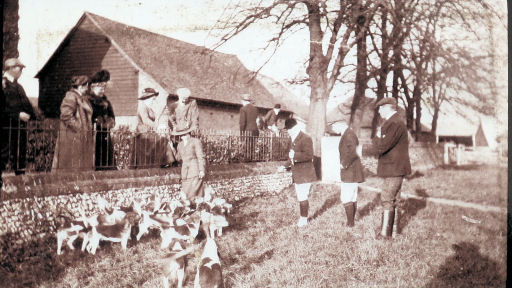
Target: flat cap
{"x":13,"y":62}
{"x":385,"y":101}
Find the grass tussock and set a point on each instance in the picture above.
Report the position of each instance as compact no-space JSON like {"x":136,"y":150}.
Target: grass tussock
{"x":263,"y":247}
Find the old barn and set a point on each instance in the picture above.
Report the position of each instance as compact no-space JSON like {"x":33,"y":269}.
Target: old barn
{"x":138,"y":59}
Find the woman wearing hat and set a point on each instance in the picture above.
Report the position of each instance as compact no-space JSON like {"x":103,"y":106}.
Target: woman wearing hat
{"x":145,"y":140}
{"x":103,"y":117}
{"x":190,"y":152}
{"x":75,"y":143}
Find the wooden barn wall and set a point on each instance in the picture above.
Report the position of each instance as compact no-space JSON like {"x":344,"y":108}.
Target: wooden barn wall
{"x":85,"y":52}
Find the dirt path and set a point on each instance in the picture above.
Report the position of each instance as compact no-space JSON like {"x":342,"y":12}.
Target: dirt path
{"x":443,"y":201}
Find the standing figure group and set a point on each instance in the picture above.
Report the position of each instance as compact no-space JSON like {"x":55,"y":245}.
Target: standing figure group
{"x":86,"y":118}
{"x":391,"y":145}
{"x":179,"y":122}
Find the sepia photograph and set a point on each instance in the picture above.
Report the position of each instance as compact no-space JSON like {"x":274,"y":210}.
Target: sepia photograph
{"x":254,"y":143}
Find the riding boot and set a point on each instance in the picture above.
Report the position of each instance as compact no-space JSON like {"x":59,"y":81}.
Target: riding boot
{"x":349,"y":210}
{"x":387,"y":223}
{"x":304,"y":207}
{"x":396,"y":222}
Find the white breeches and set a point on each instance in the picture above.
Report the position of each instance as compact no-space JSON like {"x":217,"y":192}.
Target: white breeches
{"x":302,"y":191}
{"x":348,"y":192}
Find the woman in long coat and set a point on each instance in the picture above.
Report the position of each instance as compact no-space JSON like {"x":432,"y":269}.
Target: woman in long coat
{"x":103,"y":117}
{"x":75,"y":142}
{"x":193,"y":167}
{"x":144,"y":152}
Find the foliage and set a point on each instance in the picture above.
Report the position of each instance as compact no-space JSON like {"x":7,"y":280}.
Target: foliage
{"x":41,"y":141}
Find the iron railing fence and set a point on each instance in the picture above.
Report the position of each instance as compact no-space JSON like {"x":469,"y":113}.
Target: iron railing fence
{"x":32,"y":146}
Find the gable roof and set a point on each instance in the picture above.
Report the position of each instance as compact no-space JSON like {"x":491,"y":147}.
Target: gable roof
{"x":210,"y":75}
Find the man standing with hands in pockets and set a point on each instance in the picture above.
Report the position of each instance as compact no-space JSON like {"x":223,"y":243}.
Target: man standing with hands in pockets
{"x":301,"y":164}
{"x":392,"y":145}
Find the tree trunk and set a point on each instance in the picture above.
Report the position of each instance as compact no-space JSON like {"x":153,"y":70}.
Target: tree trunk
{"x":361,"y":75}
{"x":416,"y":95}
{"x":434,"y":121}
{"x":409,"y":108}
{"x":11,"y":31}
{"x":317,"y":71}
{"x":316,"y":121}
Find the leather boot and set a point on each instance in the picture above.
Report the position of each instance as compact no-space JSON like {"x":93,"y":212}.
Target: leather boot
{"x":304,"y":207}
{"x":387,"y":223}
{"x":355,"y":209}
{"x":396,"y":222}
{"x":349,"y":210}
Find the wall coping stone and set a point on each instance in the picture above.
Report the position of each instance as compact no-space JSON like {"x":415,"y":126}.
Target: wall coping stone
{"x":61,"y":183}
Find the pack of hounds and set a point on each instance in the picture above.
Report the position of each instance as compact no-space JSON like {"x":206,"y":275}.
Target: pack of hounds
{"x":178,"y":221}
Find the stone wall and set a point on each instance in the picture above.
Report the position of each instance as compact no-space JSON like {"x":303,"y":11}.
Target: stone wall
{"x":28,"y":212}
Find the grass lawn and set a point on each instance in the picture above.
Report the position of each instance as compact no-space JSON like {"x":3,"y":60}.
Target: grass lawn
{"x":263,"y":247}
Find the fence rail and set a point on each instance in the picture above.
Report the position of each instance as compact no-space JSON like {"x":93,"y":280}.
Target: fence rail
{"x":32,"y":147}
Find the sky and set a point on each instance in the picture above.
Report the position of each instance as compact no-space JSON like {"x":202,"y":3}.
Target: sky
{"x":44,"y":24}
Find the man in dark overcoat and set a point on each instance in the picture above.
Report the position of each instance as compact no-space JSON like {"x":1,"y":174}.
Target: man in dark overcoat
{"x":351,"y":170}
{"x":392,"y":145}
{"x":15,"y":114}
{"x":301,"y":164}
{"x":271,"y":119}
{"x":248,"y":125}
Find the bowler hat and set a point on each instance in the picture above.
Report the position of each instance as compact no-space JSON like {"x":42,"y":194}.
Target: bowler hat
{"x":386,"y":101}
{"x":183,"y":92}
{"x":148,"y":93}
{"x":79,"y":80}
{"x":290,"y":123}
{"x":101,"y":76}
{"x":246,"y":97}
{"x":13,"y":62}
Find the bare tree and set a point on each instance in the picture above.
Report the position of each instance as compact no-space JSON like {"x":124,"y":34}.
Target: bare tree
{"x":333,"y":29}
{"x":10,"y":27}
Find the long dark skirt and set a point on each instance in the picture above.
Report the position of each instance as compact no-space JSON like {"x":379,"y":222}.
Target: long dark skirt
{"x":104,"y":156}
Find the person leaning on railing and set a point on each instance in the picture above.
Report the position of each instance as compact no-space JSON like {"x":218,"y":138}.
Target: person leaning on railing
{"x":16,"y":111}
{"x":145,"y":139}
{"x":75,"y":142}
{"x":103,"y":117}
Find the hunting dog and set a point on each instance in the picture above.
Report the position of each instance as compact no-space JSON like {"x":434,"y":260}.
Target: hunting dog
{"x":175,"y":263}
{"x":117,"y":232}
{"x":209,"y":270}
{"x":69,"y":230}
